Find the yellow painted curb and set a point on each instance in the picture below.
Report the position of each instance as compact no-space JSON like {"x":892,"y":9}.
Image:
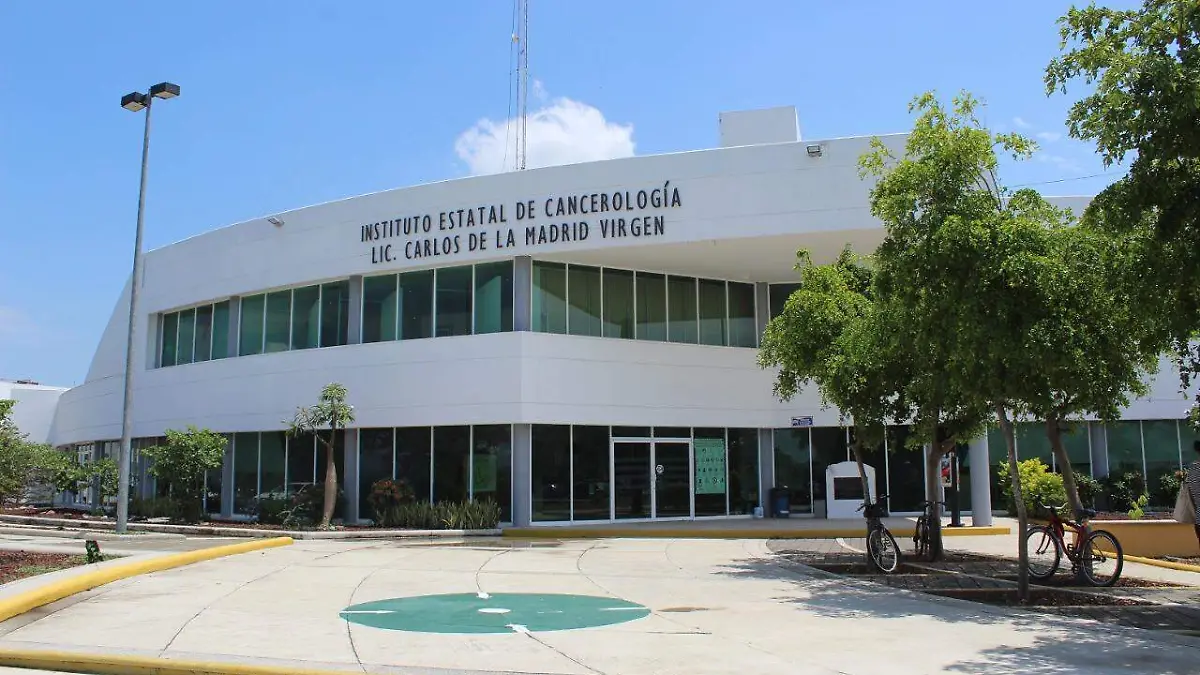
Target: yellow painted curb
{"x":101,"y":664}
{"x":57,"y":590}
{"x":1183,"y":567}
{"x":557,"y":532}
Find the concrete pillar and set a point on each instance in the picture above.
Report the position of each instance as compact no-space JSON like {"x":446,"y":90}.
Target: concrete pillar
{"x":523,"y":293}
{"x":1099,"y":444}
{"x":227,"y":466}
{"x":350,"y":482}
{"x":762,"y":307}
{"x":522,"y":471}
{"x":235,"y":322}
{"x":981,"y":482}
{"x":354,"y":316}
{"x":766,"y":466}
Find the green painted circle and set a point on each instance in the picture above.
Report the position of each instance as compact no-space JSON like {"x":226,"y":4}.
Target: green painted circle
{"x":499,"y":613}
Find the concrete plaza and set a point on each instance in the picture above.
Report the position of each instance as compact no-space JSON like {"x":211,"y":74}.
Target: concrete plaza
{"x":716,"y":606}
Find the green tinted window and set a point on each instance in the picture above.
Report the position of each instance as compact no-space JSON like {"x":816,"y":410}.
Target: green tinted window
{"x":416,"y":305}
{"x":743,"y":332}
{"x":220,"y":341}
{"x":250,"y":334}
{"x":583,"y":301}
{"x":379,"y":309}
{"x":549,"y":297}
{"x":618,"y":303}
{"x":170,"y":337}
{"x":713,"y":313}
{"x":279,"y":316}
{"x":494,"y":297}
{"x":335,"y":313}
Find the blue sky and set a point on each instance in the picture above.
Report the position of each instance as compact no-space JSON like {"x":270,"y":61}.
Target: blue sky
{"x":286,"y":104}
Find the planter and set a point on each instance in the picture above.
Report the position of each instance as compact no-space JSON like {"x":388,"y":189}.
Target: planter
{"x":1152,"y":538}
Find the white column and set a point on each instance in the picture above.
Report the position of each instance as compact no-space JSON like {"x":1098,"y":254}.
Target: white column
{"x":522,"y":456}
{"x":981,"y":483}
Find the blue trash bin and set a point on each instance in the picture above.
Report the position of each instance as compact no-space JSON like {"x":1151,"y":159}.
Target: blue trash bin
{"x":781,"y":502}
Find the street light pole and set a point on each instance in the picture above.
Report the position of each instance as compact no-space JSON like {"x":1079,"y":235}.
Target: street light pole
{"x":135,"y":102}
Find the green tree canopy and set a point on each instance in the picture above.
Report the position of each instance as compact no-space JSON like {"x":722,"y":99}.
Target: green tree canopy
{"x":1001,"y":307}
{"x":182,"y":462}
{"x":1142,"y":66}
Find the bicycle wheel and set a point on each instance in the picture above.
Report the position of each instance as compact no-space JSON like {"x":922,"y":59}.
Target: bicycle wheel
{"x":1101,"y":559}
{"x":883,"y":549}
{"x":1045,"y":553}
{"x":921,"y":537}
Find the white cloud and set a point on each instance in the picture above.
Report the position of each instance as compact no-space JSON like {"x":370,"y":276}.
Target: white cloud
{"x":1060,"y":162}
{"x":1021,"y":124}
{"x":563,"y":132}
{"x":1049,"y":136}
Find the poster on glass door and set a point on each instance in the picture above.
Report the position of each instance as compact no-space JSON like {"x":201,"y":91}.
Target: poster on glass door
{"x":710,"y":466}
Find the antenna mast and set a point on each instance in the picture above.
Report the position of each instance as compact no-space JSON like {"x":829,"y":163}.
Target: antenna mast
{"x":522,"y":40}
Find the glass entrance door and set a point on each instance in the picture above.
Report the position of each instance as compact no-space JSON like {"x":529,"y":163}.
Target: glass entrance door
{"x":632,"y":485}
{"x":672,"y":479}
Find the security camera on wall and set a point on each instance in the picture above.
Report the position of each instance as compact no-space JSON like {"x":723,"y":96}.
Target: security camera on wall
{"x":275,"y":221}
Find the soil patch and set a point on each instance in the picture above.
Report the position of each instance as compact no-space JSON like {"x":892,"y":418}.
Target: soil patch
{"x":21,"y":564}
{"x":1038,"y":597}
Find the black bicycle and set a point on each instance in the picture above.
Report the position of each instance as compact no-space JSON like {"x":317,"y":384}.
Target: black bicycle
{"x":923,"y":535}
{"x":882,"y":548}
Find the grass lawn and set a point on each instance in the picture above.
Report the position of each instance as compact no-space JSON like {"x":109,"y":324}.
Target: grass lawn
{"x":21,"y":564}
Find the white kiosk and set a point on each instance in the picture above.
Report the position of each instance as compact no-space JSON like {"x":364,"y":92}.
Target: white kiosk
{"x":843,"y":489}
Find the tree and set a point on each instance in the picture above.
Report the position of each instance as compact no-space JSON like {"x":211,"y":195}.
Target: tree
{"x":1088,"y":354}
{"x":183,"y":461}
{"x":977,"y":270}
{"x":20,"y":460}
{"x":332,"y":413}
{"x":829,"y":334}
{"x":1144,"y":67}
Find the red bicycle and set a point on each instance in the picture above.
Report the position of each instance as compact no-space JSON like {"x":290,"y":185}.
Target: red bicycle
{"x":1095,"y":555}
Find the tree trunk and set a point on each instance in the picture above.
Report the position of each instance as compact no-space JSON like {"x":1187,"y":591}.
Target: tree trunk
{"x":1019,"y":498}
{"x":866,"y":484}
{"x":331,"y":482}
{"x":1054,"y":433}
{"x":933,"y":477}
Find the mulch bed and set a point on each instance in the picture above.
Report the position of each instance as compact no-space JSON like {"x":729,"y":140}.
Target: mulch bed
{"x":21,"y":564}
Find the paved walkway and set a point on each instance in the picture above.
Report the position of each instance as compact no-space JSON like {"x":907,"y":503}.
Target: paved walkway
{"x":716,"y":607}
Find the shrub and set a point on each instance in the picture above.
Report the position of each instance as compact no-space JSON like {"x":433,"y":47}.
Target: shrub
{"x":182,"y":462}
{"x":1089,"y":488}
{"x":1123,"y":490}
{"x":480,"y":515}
{"x":386,"y":495}
{"x":304,"y":506}
{"x":270,"y":510}
{"x":155,"y":507}
{"x":1169,"y":485}
{"x":1037,"y":482}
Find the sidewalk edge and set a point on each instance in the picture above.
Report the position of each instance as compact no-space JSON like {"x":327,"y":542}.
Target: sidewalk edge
{"x":80,"y":662}
{"x":1167,"y":564}
{"x":57,"y":590}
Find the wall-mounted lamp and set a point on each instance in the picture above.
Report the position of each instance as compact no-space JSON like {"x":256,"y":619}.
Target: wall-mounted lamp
{"x":275,"y":221}
{"x":814,"y":150}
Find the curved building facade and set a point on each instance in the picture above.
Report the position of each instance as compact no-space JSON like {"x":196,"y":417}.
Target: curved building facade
{"x":577,"y":343}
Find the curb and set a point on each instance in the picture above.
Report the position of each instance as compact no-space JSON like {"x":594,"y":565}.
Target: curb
{"x":82,"y":533}
{"x":1182,"y":567}
{"x":77,"y":662}
{"x":556,"y":532}
{"x":243,"y":532}
{"x":57,"y":590}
